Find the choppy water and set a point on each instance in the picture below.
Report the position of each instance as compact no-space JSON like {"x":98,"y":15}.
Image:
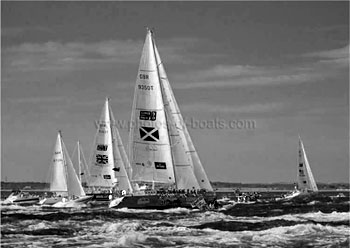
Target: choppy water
{"x":313,"y":224}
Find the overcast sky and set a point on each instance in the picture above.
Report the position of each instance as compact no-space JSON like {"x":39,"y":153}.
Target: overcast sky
{"x":282,"y":65}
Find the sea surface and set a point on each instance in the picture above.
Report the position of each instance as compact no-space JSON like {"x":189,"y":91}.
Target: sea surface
{"x":318,"y":222}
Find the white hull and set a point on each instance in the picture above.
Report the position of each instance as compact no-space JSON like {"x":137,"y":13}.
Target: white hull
{"x":52,"y":200}
{"x":290,"y":196}
{"x":72,"y":203}
{"x":21,"y":200}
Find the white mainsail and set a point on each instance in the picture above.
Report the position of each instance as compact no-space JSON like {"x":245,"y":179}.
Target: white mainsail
{"x":122,"y":166}
{"x":306,"y":180}
{"x":102,"y":161}
{"x":64,"y":179}
{"x":150,"y":154}
{"x":58,"y":181}
{"x":74,"y":185}
{"x":199,"y":171}
{"x":183,"y":164}
{"x":81,"y":162}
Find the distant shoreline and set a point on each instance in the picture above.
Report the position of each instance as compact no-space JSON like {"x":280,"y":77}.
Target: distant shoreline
{"x":221,"y":186}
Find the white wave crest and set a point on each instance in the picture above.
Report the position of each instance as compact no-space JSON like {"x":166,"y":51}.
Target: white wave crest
{"x":130,"y":239}
{"x":314,"y":216}
{"x":69,"y":204}
{"x":326,"y":217}
{"x":120,"y":227}
{"x":41,"y":225}
{"x":170,"y":211}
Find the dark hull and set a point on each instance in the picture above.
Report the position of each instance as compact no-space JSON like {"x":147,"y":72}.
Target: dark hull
{"x":26,"y":201}
{"x":159,"y":202}
{"x":100,"y":197}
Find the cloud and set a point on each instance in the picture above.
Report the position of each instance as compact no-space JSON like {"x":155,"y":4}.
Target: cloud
{"x":10,"y":32}
{"x":54,"y":55}
{"x":331,"y":54}
{"x":242,"y":109}
{"x":68,"y":56}
{"x":256,"y":77}
{"x":39,"y":99}
{"x":325,"y":65}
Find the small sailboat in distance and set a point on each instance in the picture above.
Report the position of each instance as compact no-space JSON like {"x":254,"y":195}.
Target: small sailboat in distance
{"x":305,"y":180}
{"x":83,"y":171}
{"x":21,"y":197}
{"x":64,"y":182}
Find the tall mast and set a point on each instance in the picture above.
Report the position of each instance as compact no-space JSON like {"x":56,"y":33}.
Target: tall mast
{"x":79,"y":162}
{"x":64,"y":160}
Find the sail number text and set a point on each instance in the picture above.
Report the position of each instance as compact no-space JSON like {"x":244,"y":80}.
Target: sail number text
{"x":143,"y":76}
{"x":145,"y":87}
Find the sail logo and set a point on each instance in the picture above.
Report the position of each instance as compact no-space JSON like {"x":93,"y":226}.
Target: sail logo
{"x":102,"y":147}
{"x":149,"y":134}
{"x":148,"y":115}
{"x":160,"y":165}
{"x":101,"y":159}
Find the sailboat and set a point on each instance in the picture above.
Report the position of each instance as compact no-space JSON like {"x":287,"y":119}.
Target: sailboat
{"x":109,"y":166}
{"x":81,"y":162}
{"x":21,"y":197}
{"x":64,"y":182}
{"x":161,"y":150}
{"x":305,"y":180}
